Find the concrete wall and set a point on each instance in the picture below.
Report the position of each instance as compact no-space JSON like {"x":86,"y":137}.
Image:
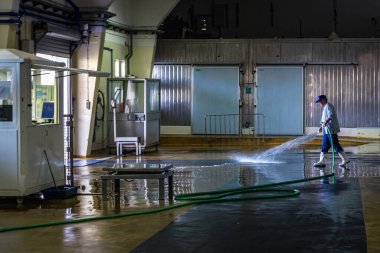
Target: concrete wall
{"x":143,"y":53}
{"x":9,"y":38}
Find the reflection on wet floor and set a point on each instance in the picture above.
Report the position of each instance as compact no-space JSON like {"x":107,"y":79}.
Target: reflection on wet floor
{"x":196,"y":170}
{"x":194,"y":176}
{"x":207,"y":175}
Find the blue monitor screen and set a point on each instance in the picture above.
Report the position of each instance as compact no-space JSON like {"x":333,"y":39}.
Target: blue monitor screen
{"x":48,"y":110}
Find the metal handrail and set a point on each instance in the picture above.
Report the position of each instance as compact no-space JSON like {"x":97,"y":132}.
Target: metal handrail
{"x":231,"y":124}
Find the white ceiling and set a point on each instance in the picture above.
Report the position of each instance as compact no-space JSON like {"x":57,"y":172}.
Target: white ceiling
{"x":143,"y":14}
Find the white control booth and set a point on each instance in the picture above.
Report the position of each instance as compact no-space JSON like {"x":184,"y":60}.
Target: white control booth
{"x":31,"y":127}
{"x":31,"y":123}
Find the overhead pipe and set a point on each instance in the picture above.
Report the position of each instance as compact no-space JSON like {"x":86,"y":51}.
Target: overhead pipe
{"x":10,"y":21}
{"x":76,"y":10}
{"x":60,"y":22}
{"x":12,"y":14}
{"x":42,"y":11}
{"x":52,"y":17}
{"x":39,"y":10}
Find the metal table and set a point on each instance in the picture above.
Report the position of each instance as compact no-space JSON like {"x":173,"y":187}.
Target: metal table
{"x":139,"y":171}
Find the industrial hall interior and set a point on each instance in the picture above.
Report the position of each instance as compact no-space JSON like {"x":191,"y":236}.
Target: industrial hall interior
{"x":190,"y":126}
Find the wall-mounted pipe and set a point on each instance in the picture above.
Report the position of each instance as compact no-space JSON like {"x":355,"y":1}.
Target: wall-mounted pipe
{"x":130,"y":54}
{"x":111,"y":52}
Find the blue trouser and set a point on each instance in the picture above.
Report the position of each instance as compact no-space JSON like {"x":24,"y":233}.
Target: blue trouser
{"x":326,"y":143}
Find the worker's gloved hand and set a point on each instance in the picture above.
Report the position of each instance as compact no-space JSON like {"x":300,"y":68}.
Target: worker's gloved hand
{"x":320,"y":129}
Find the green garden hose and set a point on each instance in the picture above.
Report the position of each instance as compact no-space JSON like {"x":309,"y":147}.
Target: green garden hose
{"x":267,"y":191}
{"x":333,"y":153}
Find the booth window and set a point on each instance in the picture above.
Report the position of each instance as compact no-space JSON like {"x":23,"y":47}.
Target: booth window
{"x":6,"y":96}
{"x":44,"y":97}
{"x":153,"y":87}
{"x":128,"y":95}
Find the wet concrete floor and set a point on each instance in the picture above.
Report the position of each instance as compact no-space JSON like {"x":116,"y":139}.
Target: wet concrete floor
{"x":202,"y":169}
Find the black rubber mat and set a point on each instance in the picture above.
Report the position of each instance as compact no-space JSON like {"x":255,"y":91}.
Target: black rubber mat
{"x":325,"y":218}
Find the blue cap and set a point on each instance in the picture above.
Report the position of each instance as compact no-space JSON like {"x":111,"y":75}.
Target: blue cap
{"x":320,"y":97}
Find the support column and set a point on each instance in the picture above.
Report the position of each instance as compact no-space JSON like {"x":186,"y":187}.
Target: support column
{"x":144,"y":46}
{"x":9,"y":25}
{"x":85,"y":90}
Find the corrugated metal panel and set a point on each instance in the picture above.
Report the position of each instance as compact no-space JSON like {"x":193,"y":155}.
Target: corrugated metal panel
{"x":170,"y":52}
{"x":328,"y":52}
{"x":232,"y":52}
{"x":54,"y":46}
{"x":295,"y":52}
{"x":355,"y":90}
{"x":364,"y":84}
{"x":323,"y":80}
{"x":266,"y":52}
{"x":175,"y":94}
{"x":201,"y":53}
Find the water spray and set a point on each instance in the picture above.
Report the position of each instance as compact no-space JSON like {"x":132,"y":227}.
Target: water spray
{"x":267,"y":156}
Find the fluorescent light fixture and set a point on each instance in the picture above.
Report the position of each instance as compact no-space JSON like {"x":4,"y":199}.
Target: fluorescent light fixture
{"x":117,"y":68}
{"x":92,"y":73}
{"x":122,"y":68}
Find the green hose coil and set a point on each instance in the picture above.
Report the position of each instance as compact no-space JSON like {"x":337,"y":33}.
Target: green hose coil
{"x":264,"y":191}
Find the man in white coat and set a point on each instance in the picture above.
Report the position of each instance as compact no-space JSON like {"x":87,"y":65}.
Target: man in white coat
{"x":330,"y":123}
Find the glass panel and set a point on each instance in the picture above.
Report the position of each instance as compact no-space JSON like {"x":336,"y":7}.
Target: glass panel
{"x":153,"y":102}
{"x":66,"y":85}
{"x":44,"y":97}
{"x":6,"y":95}
{"x":135,"y":97}
{"x":116,"y":93}
{"x":129,"y":96}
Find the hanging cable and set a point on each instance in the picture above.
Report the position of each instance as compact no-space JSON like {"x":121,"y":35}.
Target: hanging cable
{"x":88,"y":103}
{"x":100,"y":104}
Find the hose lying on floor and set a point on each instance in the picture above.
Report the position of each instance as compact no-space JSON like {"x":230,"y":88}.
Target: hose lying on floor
{"x":270,"y":191}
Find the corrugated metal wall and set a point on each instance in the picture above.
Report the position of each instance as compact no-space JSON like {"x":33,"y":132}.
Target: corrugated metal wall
{"x":175,"y":94}
{"x":354,"y":89}
{"x":54,"y":46}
